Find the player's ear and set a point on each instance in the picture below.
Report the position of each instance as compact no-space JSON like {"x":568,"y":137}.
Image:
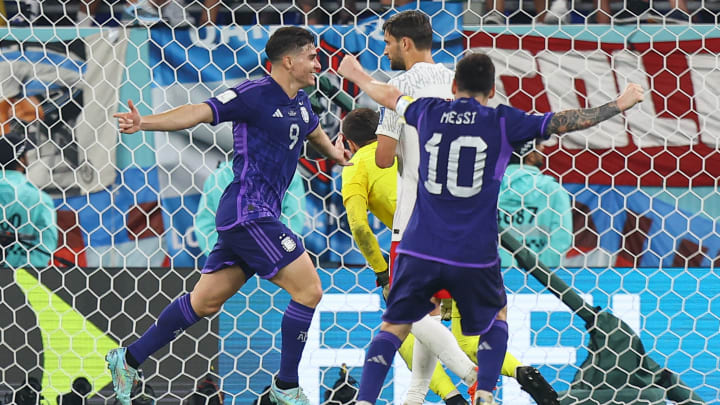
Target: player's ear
{"x":406,"y":43}
{"x":492,"y":92}
{"x":287,"y":61}
{"x":454,"y":87}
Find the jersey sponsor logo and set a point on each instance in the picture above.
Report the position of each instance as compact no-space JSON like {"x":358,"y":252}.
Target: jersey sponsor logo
{"x":278,"y":113}
{"x":226,"y":96}
{"x":305,"y":114}
{"x":288,"y":244}
{"x":378,"y":359}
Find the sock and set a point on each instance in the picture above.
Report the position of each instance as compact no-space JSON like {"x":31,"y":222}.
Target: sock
{"x":435,"y":336}
{"x":424,"y":361}
{"x":378,"y":360}
{"x":491,"y":352}
{"x":510,"y":365}
{"x":294,"y":328}
{"x":175,"y":318}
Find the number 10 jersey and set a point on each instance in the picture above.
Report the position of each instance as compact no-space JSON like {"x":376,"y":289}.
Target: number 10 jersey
{"x":464,"y":151}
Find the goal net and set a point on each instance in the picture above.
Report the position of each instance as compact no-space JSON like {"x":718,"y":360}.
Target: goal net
{"x":641,"y":191}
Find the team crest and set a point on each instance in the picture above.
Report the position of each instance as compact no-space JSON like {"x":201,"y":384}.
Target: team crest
{"x":288,"y":244}
{"x":304,"y":113}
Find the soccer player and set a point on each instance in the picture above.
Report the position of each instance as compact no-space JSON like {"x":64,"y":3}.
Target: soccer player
{"x":271,"y":119}
{"x":368,"y":187}
{"x":451,"y":240}
{"x":408,"y":38}
{"x":408,"y":46}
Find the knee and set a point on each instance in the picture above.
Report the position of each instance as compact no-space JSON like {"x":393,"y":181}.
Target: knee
{"x":205,"y":307}
{"x":309,"y":296}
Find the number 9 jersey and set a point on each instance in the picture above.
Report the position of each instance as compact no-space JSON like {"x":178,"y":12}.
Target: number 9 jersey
{"x":269,"y":129}
{"x":465,"y":148}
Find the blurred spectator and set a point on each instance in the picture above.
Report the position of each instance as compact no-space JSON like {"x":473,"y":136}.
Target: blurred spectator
{"x":557,"y":13}
{"x":534,"y":208}
{"x":641,"y":10}
{"x":27,"y":214}
{"x":86,"y":13}
{"x":293,"y":206}
{"x":28,"y":11}
{"x":151,"y":12}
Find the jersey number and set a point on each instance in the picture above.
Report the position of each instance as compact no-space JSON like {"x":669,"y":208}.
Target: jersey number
{"x":294,"y":135}
{"x":453,"y":161}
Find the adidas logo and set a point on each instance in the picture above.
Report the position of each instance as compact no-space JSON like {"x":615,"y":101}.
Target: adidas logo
{"x":484,"y":346}
{"x":378,"y":359}
{"x":277,"y":114}
{"x":302,"y":336}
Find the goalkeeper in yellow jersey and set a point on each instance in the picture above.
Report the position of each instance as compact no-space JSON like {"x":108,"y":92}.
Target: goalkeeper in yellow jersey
{"x":365,"y":187}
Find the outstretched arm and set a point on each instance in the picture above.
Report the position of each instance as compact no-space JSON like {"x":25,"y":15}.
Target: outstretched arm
{"x":179,"y":118}
{"x":383,"y":93}
{"x":574,"y":120}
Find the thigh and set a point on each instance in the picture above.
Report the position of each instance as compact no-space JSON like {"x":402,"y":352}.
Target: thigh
{"x":479,"y":294}
{"x":213,"y":289}
{"x":300,"y":279}
{"x":415,"y":282}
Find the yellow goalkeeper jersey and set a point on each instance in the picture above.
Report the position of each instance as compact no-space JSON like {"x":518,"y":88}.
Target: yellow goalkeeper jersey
{"x":377,"y":186}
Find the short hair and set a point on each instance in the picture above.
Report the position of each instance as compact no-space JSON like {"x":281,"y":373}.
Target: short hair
{"x":475,"y":73}
{"x":360,"y":125}
{"x":412,"y":24}
{"x":286,"y":40}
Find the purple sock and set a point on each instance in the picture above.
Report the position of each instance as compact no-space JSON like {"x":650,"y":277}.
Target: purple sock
{"x":490,"y":355}
{"x":295,"y":324}
{"x":175,"y":318}
{"x":378,"y":360}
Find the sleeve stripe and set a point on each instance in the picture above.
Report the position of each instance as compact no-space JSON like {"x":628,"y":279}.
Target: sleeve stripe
{"x":216,"y":114}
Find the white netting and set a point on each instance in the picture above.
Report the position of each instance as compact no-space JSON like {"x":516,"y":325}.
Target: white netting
{"x":642,"y":187}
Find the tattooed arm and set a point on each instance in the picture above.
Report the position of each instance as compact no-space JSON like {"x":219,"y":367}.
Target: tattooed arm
{"x":573,"y":120}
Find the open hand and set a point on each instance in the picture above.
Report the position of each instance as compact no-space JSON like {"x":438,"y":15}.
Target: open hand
{"x":129,"y":122}
{"x":632,"y":95}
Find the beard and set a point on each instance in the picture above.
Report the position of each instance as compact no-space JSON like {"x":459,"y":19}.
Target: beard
{"x":397,"y":64}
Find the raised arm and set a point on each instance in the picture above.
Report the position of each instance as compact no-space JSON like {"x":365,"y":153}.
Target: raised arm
{"x":383,"y":93}
{"x":179,"y":118}
{"x":574,"y":120}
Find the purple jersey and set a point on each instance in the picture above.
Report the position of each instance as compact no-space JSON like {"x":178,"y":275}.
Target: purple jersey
{"x":464,"y":150}
{"x":269,"y":129}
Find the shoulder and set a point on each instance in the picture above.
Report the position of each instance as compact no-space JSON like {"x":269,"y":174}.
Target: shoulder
{"x":249,"y":88}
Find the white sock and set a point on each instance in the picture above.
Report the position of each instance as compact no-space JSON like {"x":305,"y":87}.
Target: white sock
{"x":435,"y":336}
{"x":423,"y":365}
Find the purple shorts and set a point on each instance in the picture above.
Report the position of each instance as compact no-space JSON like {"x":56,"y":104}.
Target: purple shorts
{"x":479,"y":293}
{"x":262,"y":246}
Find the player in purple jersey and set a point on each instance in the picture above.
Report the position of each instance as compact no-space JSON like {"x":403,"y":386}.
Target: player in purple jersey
{"x":452,"y":239}
{"x":271,"y":119}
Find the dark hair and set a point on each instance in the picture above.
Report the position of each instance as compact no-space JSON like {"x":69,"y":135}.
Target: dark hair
{"x":412,"y":24}
{"x":360,"y":125}
{"x":286,"y":40}
{"x":475,"y":73}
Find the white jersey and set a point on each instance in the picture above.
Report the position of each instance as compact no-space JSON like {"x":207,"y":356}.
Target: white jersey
{"x":421,"y":80}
